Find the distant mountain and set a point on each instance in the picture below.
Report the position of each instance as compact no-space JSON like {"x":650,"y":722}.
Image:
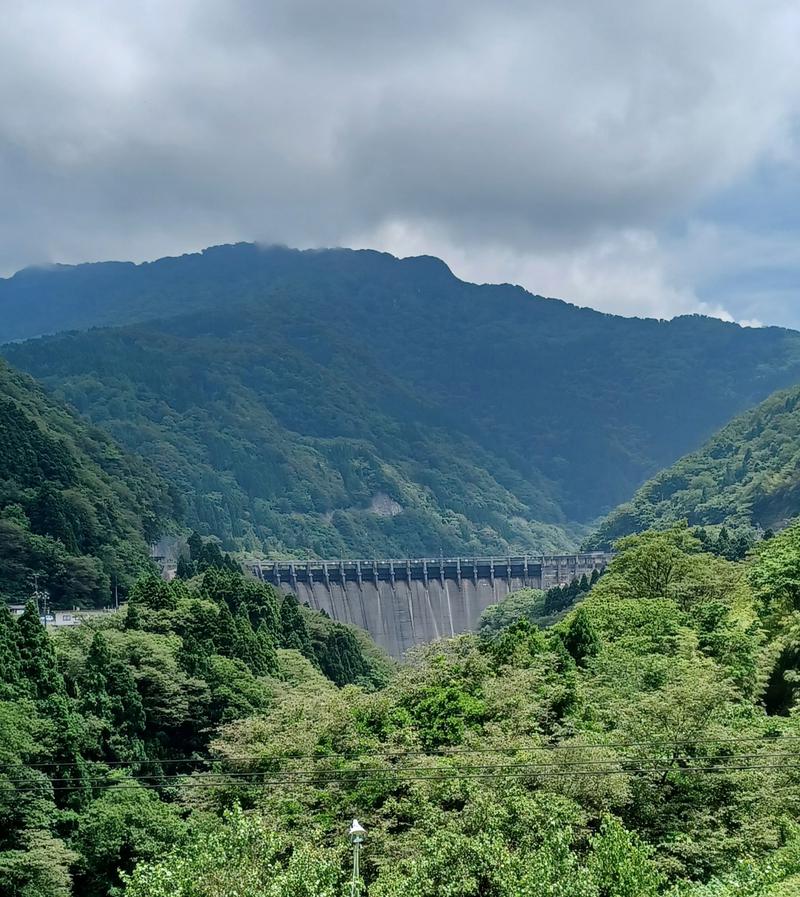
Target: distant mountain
{"x":75,"y":510}
{"x":747,"y":477}
{"x":54,"y":298}
{"x":343,"y":402}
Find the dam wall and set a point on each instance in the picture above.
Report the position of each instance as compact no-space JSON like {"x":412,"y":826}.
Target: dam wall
{"x":403,"y":603}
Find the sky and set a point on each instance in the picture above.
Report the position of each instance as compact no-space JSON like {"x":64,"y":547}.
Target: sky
{"x":641,"y":158}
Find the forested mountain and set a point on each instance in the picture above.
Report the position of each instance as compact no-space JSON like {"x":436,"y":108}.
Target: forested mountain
{"x":272,"y":445}
{"x":746,"y":478}
{"x":216,"y":739}
{"x":74,"y":508}
{"x":343,"y":402}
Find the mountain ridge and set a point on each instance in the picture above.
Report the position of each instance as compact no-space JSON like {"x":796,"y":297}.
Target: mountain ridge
{"x":286,"y":387}
{"x":41,"y":274}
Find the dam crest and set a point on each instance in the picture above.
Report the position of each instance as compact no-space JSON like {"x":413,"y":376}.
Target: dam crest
{"x":403,"y":603}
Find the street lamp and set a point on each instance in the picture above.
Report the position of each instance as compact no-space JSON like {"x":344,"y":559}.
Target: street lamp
{"x":356,"y":833}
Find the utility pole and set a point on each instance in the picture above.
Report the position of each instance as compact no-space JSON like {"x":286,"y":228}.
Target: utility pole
{"x":41,"y":598}
{"x":356,"y":833}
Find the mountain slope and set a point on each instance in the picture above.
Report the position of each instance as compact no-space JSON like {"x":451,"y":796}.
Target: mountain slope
{"x":74,"y":509}
{"x":272,"y":448}
{"x":350,"y":402}
{"x":747,"y":476}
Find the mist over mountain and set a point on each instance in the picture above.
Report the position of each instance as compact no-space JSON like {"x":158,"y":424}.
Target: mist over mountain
{"x":340,"y":402}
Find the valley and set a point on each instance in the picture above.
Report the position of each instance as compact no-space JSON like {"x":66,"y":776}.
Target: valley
{"x":399,"y":449}
{"x":623,"y":719}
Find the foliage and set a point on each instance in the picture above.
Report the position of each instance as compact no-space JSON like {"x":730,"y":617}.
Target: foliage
{"x":580,"y":637}
{"x":38,"y":866}
{"x":638,"y":748}
{"x":570,"y":761}
{"x":775,"y":576}
{"x":243,"y":857}
{"x":344,"y":404}
{"x":202,"y":555}
{"x":125,"y":825}
{"x":100,"y":724}
{"x":74,"y":509}
{"x":526,"y":604}
{"x":535,"y":606}
{"x":743,"y":481}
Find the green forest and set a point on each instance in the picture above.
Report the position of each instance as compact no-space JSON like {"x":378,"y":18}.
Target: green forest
{"x":215,"y":738}
{"x":745,"y":478}
{"x":100,"y":724}
{"x":76,"y":512}
{"x":339,"y":403}
{"x":277,"y":451}
{"x":630,"y":734}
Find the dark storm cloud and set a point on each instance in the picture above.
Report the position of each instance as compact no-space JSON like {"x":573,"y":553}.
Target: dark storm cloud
{"x":527,"y":138}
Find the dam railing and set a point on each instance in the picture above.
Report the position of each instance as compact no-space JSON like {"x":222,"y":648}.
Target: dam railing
{"x":539,"y":569}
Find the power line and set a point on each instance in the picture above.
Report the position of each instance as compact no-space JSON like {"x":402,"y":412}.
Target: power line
{"x":400,"y":780}
{"x":321,"y":771}
{"x":440,"y":752}
{"x":400,"y":777}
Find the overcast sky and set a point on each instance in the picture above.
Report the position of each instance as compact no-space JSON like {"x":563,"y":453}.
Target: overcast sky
{"x":640,"y":157}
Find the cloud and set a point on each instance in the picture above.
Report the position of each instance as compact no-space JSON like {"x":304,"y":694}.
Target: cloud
{"x":553,"y":144}
{"x":624,"y":272}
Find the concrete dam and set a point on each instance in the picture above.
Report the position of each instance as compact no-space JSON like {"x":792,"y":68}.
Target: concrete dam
{"x":403,"y":603}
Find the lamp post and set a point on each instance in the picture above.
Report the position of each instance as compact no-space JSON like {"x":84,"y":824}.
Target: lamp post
{"x":356,"y":833}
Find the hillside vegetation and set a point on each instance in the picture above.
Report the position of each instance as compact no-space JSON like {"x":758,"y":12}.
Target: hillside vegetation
{"x":274,"y":448}
{"x":75,"y":510}
{"x":99,"y":725}
{"x":645,"y":746}
{"x":350,"y":403}
{"x":746,"y":478}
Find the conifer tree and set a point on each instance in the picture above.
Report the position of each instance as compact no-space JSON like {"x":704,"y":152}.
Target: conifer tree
{"x":229,"y":564}
{"x":38,"y":665}
{"x":245,"y":646}
{"x":152,"y":592}
{"x":94,"y":679}
{"x":127,"y":710}
{"x":266,"y":648}
{"x":225,"y":635}
{"x":185,"y":568}
{"x":210,"y":557}
{"x":340,"y":657}
{"x":193,"y":655}
{"x":10,"y":662}
{"x":263,"y":603}
{"x":295,"y":632}
{"x":49,"y":516}
{"x":133,"y":615}
{"x":195,"y":546}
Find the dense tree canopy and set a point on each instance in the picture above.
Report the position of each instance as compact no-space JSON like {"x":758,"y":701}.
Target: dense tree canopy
{"x":99,"y":724}
{"x":75,"y":511}
{"x":631,"y":750}
{"x":634,"y":734}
